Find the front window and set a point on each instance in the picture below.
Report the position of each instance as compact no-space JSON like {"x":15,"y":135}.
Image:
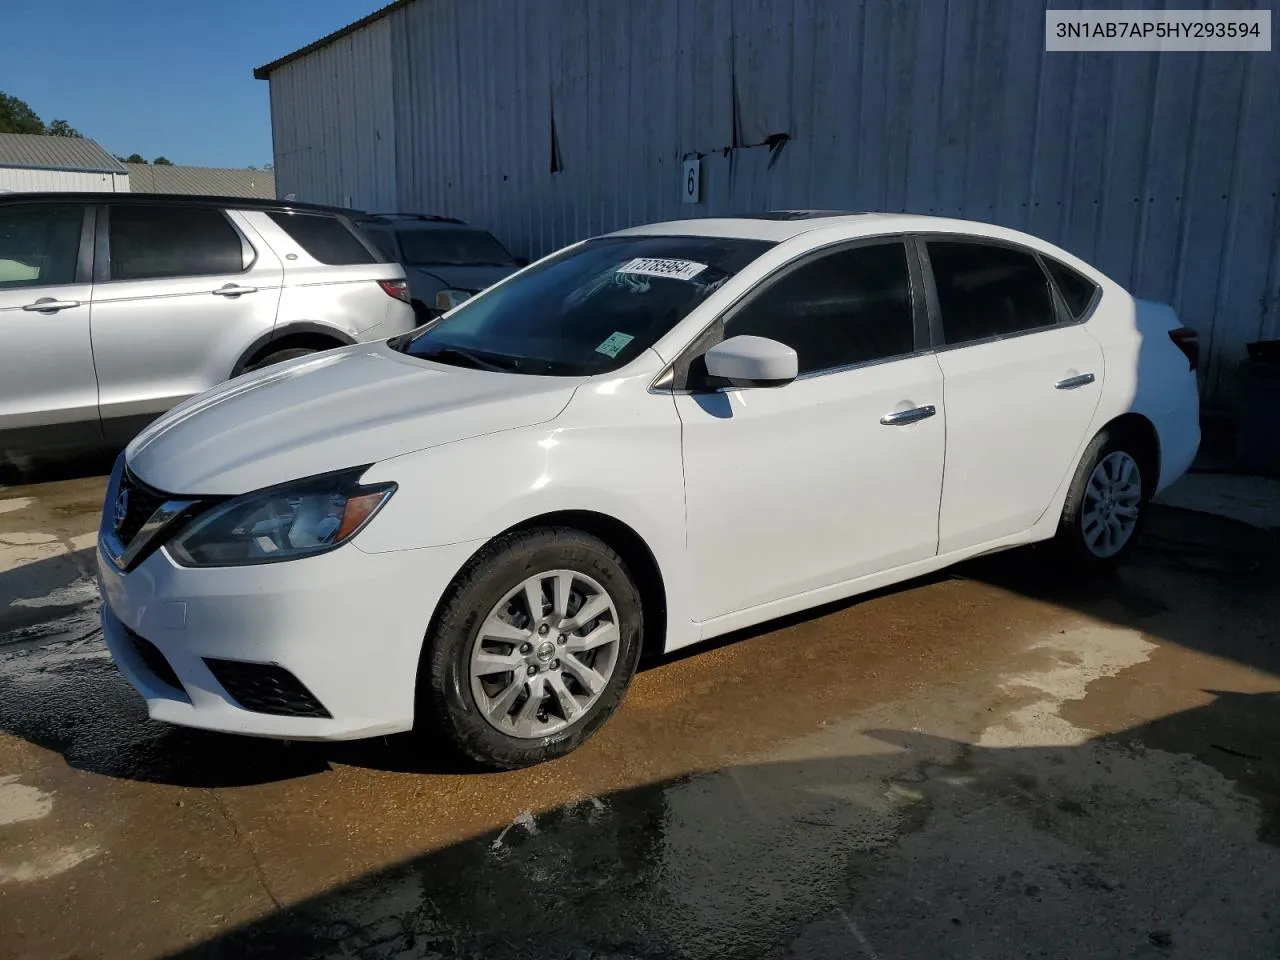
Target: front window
{"x":590,"y":310}
{"x":449,"y":247}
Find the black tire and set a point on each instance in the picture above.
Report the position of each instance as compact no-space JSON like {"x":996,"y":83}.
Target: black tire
{"x":1071,"y":542}
{"x":280,"y":356}
{"x":444,"y":683}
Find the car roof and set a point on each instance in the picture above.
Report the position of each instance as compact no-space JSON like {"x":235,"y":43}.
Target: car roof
{"x":183,"y":199}
{"x":412,"y":221}
{"x":780,"y":225}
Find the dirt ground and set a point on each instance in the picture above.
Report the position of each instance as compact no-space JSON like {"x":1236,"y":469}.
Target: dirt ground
{"x":989,"y":763}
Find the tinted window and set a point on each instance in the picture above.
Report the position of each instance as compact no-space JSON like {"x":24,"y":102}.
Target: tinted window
{"x":591,"y":309}
{"x":1077,"y":290}
{"x":447,"y":246}
{"x":150,"y":242}
{"x":988,"y":291}
{"x":39,"y":244}
{"x":325,"y":238}
{"x":385,"y":243}
{"x":841,"y":308}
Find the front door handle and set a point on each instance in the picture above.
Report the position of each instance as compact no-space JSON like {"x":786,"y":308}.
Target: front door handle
{"x":234,"y":290}
{"x":1077,"y":381}
{"x":50,"y":305}
{"x":900,"y":418}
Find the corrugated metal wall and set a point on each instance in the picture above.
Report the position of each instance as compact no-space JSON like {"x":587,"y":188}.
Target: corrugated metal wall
{"x":333,"y":125}
{"x":20,"y":179}
{"x":1162,"y":169}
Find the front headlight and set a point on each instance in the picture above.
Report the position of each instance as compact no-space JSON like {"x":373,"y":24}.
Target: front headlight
{"x":281,"y":523}
{"x":446,"y":300}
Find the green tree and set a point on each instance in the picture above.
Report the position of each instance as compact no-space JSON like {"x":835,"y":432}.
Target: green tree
{"x":60,"y":128}
{"x":135,"y":158}
{"x":162,"y":162}
{"x":17,"y":117}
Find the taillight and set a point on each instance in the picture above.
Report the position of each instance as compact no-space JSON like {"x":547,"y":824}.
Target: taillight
{"x":395,"y":288}
{"x":1185,"y":339}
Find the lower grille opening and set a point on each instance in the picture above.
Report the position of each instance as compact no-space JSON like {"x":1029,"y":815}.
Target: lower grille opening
{"x":266,"y":688}
{"x":154,"y":661}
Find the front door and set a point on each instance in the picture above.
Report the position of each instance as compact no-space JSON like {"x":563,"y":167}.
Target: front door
{"x":834,"y":476}
{"x":181,"y":293}
{"x":48,"y":392}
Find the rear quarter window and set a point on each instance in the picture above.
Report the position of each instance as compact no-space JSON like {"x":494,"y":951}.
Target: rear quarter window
{"x":1077,"y":290}
{"x":325,"y":238}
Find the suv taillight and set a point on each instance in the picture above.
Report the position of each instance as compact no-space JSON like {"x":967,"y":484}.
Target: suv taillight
{"x":1186,"y":340}
{"x":395,"y":288}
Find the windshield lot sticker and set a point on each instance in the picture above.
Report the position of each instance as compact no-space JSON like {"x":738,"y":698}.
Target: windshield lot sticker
{"x":614,"y":344}
{"x":659,"y":267}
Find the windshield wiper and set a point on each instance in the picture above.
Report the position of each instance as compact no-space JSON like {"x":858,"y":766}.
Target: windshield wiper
{"x":469,"y":359}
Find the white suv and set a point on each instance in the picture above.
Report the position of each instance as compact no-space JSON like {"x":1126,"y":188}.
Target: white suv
{"x":116,"y":307}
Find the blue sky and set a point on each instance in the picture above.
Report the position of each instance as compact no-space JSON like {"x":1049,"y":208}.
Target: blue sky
{"x":169,"y":78}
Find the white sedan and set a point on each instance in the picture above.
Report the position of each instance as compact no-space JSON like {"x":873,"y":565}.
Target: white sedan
{"x":642,"y":440}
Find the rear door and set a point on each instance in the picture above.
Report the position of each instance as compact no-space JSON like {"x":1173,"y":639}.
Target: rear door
{"x":1022,"y":381}
{"x":180,"y":293}
{"x":48,"y":393}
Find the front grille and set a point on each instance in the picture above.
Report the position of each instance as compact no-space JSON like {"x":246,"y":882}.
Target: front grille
{"x":266,"y":688}
{"x":142,"y":503}
{"x":155,"y":661}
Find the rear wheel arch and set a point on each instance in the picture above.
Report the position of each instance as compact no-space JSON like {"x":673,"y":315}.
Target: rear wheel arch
{"x":1139,"y":431}
{"x":311,"y":336}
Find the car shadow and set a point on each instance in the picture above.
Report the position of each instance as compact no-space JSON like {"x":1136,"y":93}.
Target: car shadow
{"x":928,"y":847}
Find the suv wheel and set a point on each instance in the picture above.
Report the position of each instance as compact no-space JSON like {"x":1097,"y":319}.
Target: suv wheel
{"x":279,"y":356}
{"x":534,"y":647}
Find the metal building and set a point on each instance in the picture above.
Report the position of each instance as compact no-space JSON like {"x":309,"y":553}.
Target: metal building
{"x":551,"y":121}
{"x":31,"y":161}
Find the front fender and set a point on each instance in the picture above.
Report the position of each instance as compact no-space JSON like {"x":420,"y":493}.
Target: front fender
{"x":472,"y":490}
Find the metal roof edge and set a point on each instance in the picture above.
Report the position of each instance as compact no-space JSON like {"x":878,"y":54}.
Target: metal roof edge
{"x":264,"y":72}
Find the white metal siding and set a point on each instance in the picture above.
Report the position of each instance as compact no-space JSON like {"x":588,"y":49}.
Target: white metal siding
{"x":333,"y":126}
{"x":20,"y":179}
{"x":1159,"y":168}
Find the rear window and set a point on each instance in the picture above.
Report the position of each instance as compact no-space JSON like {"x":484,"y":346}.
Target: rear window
{"x":324,"y":238}
{"x":446,"y":246}
{"x":1077,"y":290}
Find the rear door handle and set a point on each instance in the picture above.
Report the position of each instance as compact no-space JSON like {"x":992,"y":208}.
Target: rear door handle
{"x":900,"y":418}
{"x":234,"y":290}
{"x":1077,"y":381}
{"x":50,"y":305}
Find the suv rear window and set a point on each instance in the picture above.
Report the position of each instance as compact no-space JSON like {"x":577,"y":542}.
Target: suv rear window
{"x":326,"y":239}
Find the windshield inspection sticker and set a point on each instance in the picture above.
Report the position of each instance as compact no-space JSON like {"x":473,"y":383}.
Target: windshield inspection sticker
{"x":659,"y":267}
{"x":614,"y":344}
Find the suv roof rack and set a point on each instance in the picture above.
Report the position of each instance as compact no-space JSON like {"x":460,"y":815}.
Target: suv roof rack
{"x":434,"y":218}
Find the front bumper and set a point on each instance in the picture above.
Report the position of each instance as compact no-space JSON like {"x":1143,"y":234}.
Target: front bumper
{"x":348,"y":626}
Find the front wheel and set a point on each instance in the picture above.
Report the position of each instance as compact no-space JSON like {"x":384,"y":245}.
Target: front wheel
{"x":534,"y":647}
{"x":1105,"y":506}
{"x":279,"y":356}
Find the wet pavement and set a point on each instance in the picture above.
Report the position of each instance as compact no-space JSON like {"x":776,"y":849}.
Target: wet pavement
{"x":995,"y":762}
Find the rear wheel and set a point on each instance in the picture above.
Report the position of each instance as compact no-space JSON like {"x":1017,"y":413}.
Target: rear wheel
{"x":534,"y":647}
{"x":1106,"y":504}
{"x":279,"y":356}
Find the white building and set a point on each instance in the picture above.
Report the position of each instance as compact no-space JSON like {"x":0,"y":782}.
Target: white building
{"x":554,"y":120}
{"x":35,"y":162}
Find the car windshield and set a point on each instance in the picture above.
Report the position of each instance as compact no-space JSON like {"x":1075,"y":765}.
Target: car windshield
{"x":445,"y":246}
{"x":589,"y":310}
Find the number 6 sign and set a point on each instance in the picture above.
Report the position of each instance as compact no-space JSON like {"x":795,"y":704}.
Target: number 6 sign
{"x":691,"y":184}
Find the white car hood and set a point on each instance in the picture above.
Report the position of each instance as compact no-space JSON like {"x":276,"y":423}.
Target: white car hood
{"x":343,"y":408}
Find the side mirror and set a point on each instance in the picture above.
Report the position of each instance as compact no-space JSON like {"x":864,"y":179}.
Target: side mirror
{"x":752,"y":362}
{"x":522,"y":261}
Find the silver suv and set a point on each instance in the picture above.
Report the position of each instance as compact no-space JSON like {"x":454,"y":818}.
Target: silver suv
{"x":116,"y":307}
